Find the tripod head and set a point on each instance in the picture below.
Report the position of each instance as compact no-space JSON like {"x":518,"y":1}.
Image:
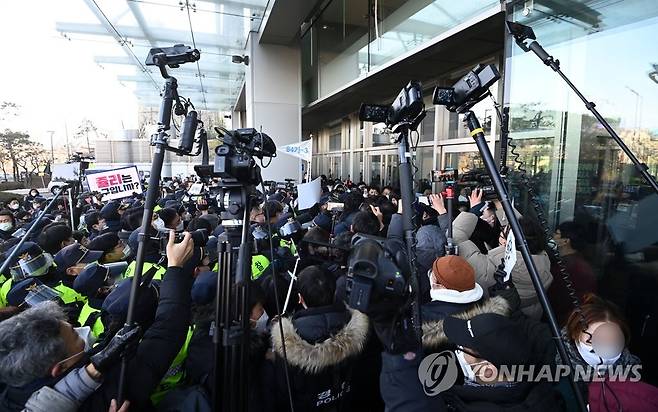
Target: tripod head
{"x":172,"y":57}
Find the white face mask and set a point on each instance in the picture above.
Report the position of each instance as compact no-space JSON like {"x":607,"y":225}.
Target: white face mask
{"x":6,"y":226}
{"x":467,"y":369}
{"x":14,"y":206}
{"x":126,"y":252}
{"x":587,"y":353}
{"x":159,"y":224}
{"x":261,"y":323}
{"x":85,"y":333}
{"x":180,"y":227}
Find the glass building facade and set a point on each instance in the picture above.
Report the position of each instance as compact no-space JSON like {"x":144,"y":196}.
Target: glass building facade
{"x":606,"y":47}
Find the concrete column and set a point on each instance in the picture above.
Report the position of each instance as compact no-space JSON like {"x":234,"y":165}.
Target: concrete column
{"x":273,"y":101}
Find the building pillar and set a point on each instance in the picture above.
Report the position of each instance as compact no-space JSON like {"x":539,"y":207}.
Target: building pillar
{"x":273,"y":101}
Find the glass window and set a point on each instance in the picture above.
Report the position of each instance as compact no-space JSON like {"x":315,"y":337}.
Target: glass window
{"x":400,"y":26}
{"x":427,"y":126}
{"x":342,"y":31}
{"x":358,"y":168}
{"x":335,"y":138}
{"x":380,"y":136}
{"x":463,"y":161}
{"x":376,"y":166}
{"x":424,"y":157}
{"x":361,"y":135}
{"x":580,"y":174}
{"x":309,"y":58}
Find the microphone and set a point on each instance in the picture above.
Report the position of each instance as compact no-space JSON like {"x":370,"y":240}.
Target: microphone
{"x":189,"y":131}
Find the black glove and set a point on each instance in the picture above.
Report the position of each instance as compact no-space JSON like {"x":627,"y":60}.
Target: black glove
{"x":123,"y":344}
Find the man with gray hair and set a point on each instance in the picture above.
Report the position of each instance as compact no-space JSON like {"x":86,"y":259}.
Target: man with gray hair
{"x":38,"y":347}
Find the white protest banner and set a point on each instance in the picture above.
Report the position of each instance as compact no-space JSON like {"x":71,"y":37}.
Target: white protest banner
{"x":510,"y":255}
{"x":309,"y":194}
{"x":115,"y":184}
{"x":301,"y":150}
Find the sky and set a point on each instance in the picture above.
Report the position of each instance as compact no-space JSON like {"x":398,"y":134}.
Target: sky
{"x":54,"y":80}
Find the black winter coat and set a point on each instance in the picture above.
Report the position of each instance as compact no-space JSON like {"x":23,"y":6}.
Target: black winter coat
{"x":322,"y":345}
{"x":157,"y":349}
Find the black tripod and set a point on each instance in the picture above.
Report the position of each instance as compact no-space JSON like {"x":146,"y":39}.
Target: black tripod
{"x":231,"y":328}
{"x":501,"y":190}
{"x":522,"y":33}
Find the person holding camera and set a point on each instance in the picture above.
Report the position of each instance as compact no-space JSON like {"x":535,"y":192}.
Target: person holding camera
{"x":485,"y":264}
{"x":38,"y":347}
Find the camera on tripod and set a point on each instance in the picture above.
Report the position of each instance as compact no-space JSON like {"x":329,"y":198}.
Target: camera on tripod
{"x":373,"y":276}
{"x":234,"y":158}
{"x":408,"y":107}
{"x":468,"y":91}
{"x":199,"y":237}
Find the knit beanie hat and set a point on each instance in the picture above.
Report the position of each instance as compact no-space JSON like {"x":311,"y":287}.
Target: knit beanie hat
{"x":454,"y":272}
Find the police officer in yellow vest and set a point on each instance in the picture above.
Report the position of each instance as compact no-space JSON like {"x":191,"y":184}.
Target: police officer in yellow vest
{"x":32,"y":262}
{"x":95,"y":282}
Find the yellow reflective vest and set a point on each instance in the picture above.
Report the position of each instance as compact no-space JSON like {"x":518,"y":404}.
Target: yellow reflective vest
{"x":130,"y":270}
{"x":96,"y":326}
{"x":67,"y":294}
{"x":175,"y":373}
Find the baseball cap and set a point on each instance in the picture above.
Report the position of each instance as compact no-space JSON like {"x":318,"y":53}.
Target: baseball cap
{"x":73,"y":254}
{"x":494,"y":337}
{"x":204,"y":288}
{"x":94,"y":276}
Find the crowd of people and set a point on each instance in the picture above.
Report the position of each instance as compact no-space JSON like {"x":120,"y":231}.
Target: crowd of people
{"x":66,"y":292}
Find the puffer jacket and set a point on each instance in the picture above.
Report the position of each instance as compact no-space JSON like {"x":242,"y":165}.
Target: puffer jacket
{"x":485,"y":265}
{"x":433,"y":314}
{"x":322,"y":345}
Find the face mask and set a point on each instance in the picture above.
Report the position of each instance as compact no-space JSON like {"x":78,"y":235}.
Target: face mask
{"x":261,"y":323}
{"x":125,"y":253}
{"x":159,"y":224}
{"x":14,"y":206}
{"x":467,"y":369}
{"x":180,"y":227}
{"x":6,"y":226}
{"x":587,"y":353}
{"x":85,"y":333}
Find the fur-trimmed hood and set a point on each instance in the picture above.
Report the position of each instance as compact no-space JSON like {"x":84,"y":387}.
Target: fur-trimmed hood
{"x":313,"y":358}
{"x":433,"y":334}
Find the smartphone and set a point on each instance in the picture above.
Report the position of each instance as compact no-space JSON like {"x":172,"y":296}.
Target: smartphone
{"x":425,"y":200}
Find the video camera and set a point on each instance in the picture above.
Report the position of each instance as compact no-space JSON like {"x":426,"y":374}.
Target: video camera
{"x":373,"y":276}
{"x":468,"y":91}
{"x":234,"y":160}
{"x":478,"y":180}
{"x":408,"y":107}
{"x":199,"y":237}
